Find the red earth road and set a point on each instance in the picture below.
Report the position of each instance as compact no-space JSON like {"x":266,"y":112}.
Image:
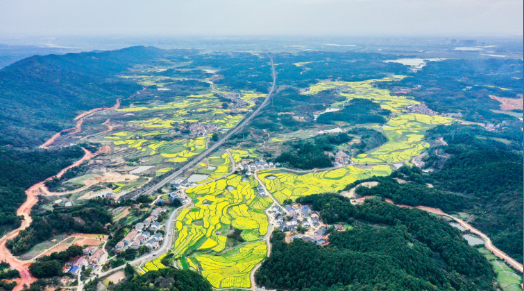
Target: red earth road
{"x":487,"y":241}
{"x":78,"y":126}
{"x":25,"y":210}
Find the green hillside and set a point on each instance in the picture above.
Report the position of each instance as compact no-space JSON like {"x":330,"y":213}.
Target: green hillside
{"x":41,"y":95}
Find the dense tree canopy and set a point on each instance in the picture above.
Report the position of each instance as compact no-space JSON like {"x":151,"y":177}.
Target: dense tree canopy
{"x":166,"y":279}
{"x":50,"y":266}
{"x":487,"y":167}
{"x":358,"y":111}
{"x":87,"y":218}
{"x":388,"y":248}
{"x":19,"y":169}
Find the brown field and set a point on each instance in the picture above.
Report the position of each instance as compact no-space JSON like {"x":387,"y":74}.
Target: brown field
{"x":508,"y":103}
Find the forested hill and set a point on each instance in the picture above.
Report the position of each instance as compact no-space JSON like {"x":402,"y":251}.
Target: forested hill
{"x":386,"y":248}
{"x":41,"y":95}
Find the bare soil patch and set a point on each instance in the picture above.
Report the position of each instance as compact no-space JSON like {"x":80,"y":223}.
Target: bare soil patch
{"x":508,"y":104}
{"x":115,"y":278}
{"x":351,"y":193}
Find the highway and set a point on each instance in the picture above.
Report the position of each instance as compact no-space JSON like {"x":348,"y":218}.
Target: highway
{"x":168,"y":238}
{"x":198,"y":158}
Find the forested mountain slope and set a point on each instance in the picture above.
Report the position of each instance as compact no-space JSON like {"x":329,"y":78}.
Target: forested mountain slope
{"x":20,"y":169}
{"x":41,"y":95}
{"x":387,"y":248}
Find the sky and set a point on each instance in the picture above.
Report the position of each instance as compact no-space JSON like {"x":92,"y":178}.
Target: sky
{"x":261,"y":17}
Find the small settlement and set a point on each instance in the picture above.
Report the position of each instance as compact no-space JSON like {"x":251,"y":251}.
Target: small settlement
{"x":291,"y":217}
{"x":144,"y":233}
{"x":250,"y":165}
{"x":93,"y":257}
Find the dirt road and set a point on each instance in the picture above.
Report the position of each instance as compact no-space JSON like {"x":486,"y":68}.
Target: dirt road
{"x":78,"y":126}
{"x":25,"y":210}
{"x":90,"y":112}
{"x":53,"y":138}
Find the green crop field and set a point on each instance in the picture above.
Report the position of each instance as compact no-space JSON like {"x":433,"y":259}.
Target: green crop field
{"x":284,"y":185}
{"x":404,"y":131}
{"x":234,"y":268}
{"x":223,"y":204}
{"x":508,"y":279}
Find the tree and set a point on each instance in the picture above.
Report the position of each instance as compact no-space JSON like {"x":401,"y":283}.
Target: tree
{"x":301,"y":229}
{"x":129,"y":271}
{"x":214,"y":137}
{"x":143,"y":249}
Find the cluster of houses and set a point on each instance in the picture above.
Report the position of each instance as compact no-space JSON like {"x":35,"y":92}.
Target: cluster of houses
{"x":290,"y":218}
{"x":144,"y":234}
{"x":319,"y":236}
{"x":202,"y":128}
{"x":182,"y":182}
{"x":235,"y":97}
{"x":304,"y":90}
{"x":422,"y":108}
{"x":91,"y":259}
{"x":253,"y":166}
{"x":180,"y":196}
{"x":402,"y":91}
{"x":341,"y":158}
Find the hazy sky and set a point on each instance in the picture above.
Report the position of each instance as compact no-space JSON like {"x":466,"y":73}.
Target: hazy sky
{"x":261,"y":17}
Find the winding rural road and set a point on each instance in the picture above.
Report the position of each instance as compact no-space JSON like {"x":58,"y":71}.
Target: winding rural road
{"x":78,"y":126}
{"x":25,"y":210}
{"x":166,"y":244}
{"x":487,"y":241}
{"x":198,"y":158}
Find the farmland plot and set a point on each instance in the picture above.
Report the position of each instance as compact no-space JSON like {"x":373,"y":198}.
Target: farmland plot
{"x":220,"y":206}
{"x":285,"y":185}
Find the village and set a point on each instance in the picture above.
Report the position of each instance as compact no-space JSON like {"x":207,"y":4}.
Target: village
{"x":147,"y":233}
{"x":250,"y":165}
{"x":300,"y":222}
{"x":144,"y":233}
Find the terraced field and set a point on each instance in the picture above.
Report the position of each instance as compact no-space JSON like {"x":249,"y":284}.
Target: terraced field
{"x":221,"y":206}
{"x":230,"y":203}
{"x":404,"y":131}
{"x":405,"y":134}
{"x":233,"y":269}
{"x":284,"y":185}
{"x":154,"y":264}
{"x":145,"y":132}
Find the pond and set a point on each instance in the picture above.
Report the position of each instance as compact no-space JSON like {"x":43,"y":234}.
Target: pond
{"x":140,"y":169}
{"x":271,"y":177}
{"x":473,"y":240}
{"x":456,"y":225}
{"x":230,"y":188}
{"x":197,"y":178}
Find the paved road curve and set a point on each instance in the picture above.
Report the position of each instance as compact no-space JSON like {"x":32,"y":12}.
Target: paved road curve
{"x":166,"y":244}
{"x":198,"y":158}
